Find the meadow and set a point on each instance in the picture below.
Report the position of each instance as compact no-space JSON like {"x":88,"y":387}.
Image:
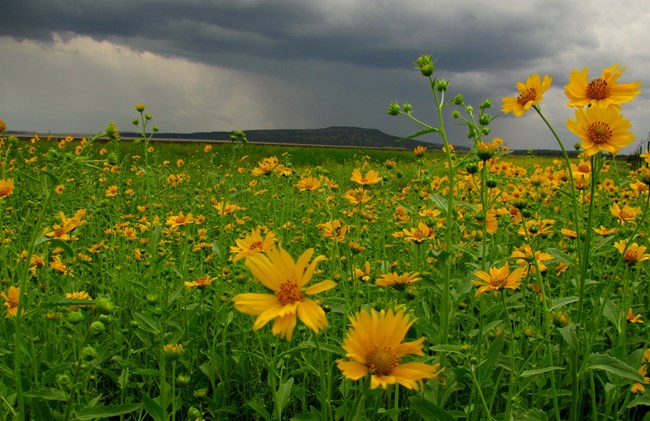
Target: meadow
{"x":145,"y":280}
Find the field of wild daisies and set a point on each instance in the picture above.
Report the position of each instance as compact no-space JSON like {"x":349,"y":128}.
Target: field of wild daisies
{"x":145,"y":280}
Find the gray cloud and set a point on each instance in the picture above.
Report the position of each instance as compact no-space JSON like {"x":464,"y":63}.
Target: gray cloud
{"x":218,"y":65}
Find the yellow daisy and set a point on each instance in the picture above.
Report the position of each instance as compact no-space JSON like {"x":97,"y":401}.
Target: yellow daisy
{"x":252,"y":244}
{"x":601,"y":130}
{"x":499,"y":278}
{"x":602,"y":92}
{"x":374,"y":346}
{"x":286,"y":279}
{"x":530,"y":93}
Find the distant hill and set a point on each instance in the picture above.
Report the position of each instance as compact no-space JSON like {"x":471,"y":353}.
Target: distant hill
{"x":330,"y":136}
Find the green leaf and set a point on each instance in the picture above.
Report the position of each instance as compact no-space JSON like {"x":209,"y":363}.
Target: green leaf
{"x":561,"y":256}
{"x":306,"y":417}
{"x":153,"y":408}
{"x":107,"y":411}
{"x":561,"y":302}
{"x":418,"y":134}
{"x":56,"y":243}
{"x":48,"y":394}
{"x":644,"y":399}
{"x":529,"y":373}
{"x":612,"y":313}
{"x":487,"y":366}
{"x":259,"y":409}
{"x":570,"y":337}
{"x":613,"y":365}
{"x":429,"y":410}
{"x":283,"y":394}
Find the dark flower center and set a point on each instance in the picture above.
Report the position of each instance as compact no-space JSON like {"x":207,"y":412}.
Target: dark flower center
{"x":289,"y":293}
{"x":599,"y":132}
{"x":597,"y":89}
{"x":381,"y":361}
{"x":526,"y":96}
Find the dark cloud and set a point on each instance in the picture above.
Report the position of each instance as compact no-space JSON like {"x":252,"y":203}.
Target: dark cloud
{"x":303,"y":63}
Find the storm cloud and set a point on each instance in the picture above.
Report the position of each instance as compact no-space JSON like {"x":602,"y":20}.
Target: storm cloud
{"x":74,"y":65}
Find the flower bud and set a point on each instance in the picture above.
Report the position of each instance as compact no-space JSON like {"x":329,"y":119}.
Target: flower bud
{"x":139,"y":107}
{"x":485,"y":104}
{"x":75,"y":317}
{"x":425,"y":64}
{"x":135,"y":121}
{"x":97,"y":328}
{"x":148,"y":116}
{"x":458,"y":100}
{"x":155,"y":129}
{"x":182,"y":380}
{"x":112,"y":133}
{"x":3,"y":126}
{"x":441,"y":85}
{"x":88,"y":353}
{"x":112,"y":158}
{"x":173,"y":351}
{"x":104,"y":306}
{"x":561,"y":319}
{"x":393,"y":109}
{"x":407,"y":107}
{"x":484,"y":119}
{"x":455,"y":114}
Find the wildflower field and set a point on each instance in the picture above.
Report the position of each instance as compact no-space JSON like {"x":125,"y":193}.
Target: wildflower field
{"x":146,"y":280}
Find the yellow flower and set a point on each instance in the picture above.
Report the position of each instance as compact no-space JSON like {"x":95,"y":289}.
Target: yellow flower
{"x":633,"y":254}
{"x":252,"y":244}
{"x":374,"y":346}
{"x":601,"y":130}
{"x":398,"y":282}
{"x":200,"y":283}
{"x":632,"y":318}
{"x":173,"y":351}
{"x":626,"y":214}
{"x":81,"y":296}
{"x":530,"y":93}
{"x":419,"y":150}
{"x":357,"y":196}
{"x":420,"y":234}
{"x":371,"y":177}
{"x":602,"y":92}
{"x":498,"y":278}
{"x":308,"y":184}
{"x":11,"y":297}
{"x":363,"y":275}
{"x":6,"y":187}
{"x":180,"y":219}
{"x":3,"y":126}
{"x":111,"y":191}
{"x":333,"y":229}
{"x":62,"y":231}
{"x":286,"y":279}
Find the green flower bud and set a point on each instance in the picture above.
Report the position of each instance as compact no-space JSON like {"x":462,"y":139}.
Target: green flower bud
{"x":484,"y":119}
{"x":104,"y":306}
{"x":455,"y":114}
{"x":425,"y":64}
{"x":441,"y":85}
{"x":407,"y":107}
{"x":193,"y":413}
{"x":471,"y":168}
{"x":485,"y":131}
{"x":183,"y":380}
{"x":97,"y":328}
{"x":112,"y":158}
{"x":88,"y":353}
{"x":491,"y":183}
{"x":63,"y":380}
{"x":107,"y":319}
{"x":75,"y":317}
{"x":139,"y":107}
{"x":155,"y":129}
{"x":458,"y":100}
{"x":393,"y":109}
{"x":112,"y":133}
{"x":486,"y":104}
{"x":135,"y":121}
{"x":148,"y":116}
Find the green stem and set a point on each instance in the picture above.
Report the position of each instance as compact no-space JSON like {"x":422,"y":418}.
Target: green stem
{"x":326,"y":409}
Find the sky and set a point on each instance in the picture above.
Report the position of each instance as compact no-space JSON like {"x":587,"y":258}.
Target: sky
{"x":73,"y":66}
